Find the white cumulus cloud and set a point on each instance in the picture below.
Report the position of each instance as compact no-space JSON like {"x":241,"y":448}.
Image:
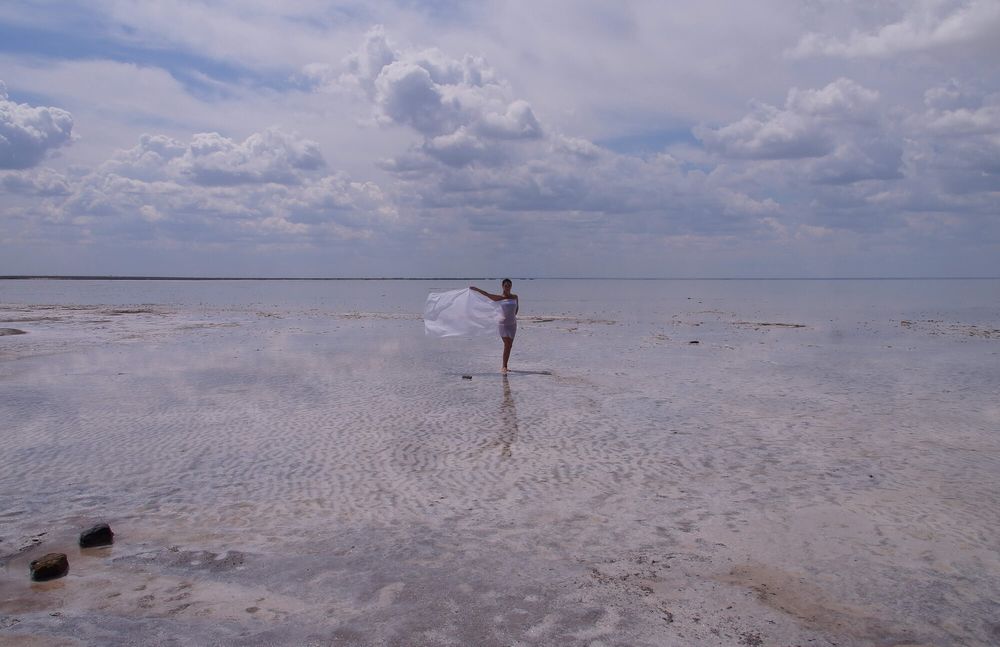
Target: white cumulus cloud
{"x":39,"y":181}
{"x":808,"y":126}
{"x":267,"y":188}
{"x":210,"y":159}
{"x":459,"y":106}
{"x":925,"y":25}
{"x":833,"y":135}
{"x":28,"y":133}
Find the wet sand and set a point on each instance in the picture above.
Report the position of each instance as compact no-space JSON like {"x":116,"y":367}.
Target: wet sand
{"x":323,"y":476}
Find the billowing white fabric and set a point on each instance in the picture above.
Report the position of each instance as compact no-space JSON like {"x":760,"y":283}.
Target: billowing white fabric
{"x":460,"y":312}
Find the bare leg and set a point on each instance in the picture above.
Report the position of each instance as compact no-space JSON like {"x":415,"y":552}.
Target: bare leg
{"x":507,"y":344}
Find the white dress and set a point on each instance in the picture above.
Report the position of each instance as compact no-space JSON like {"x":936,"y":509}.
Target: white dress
{"x":508,"y":318}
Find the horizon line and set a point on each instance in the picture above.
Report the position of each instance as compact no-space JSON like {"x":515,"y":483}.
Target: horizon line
{"x":125,"y":277}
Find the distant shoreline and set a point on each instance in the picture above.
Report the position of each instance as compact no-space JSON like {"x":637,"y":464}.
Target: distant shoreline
{"x":44,"y":277}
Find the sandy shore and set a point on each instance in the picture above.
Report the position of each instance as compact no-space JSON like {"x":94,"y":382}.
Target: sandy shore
{"x":316,"y":477}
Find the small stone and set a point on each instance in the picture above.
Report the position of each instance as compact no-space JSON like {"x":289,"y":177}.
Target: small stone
{"x":11,"y":331}
{"x":49,"y":567}
{"x":694,"y":342}
{"x":99,"y":535}
{"x":466,"y":377}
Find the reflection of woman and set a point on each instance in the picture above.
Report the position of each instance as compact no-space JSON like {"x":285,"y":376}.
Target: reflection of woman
{"x":508,"y":420}
{"x":508,"y":321}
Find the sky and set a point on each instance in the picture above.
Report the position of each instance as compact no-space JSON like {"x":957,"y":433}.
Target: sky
{"x":568,"y":138}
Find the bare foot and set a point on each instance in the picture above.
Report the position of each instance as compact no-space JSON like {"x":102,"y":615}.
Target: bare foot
{"x":503,"y":371}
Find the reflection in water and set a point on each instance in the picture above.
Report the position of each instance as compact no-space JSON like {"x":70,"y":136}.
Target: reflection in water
{"x":508,"y":420}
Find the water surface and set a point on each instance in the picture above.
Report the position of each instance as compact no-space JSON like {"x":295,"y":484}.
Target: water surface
{"x":302,"y":449}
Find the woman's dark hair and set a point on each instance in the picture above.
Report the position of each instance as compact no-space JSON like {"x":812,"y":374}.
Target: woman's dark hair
{"x":506,"y":281}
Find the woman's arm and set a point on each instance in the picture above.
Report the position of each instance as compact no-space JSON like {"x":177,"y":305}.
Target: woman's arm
{"x":492,"y":297}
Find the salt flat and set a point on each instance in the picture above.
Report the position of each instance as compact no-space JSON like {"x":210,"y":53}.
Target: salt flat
{"x":298,"y":464}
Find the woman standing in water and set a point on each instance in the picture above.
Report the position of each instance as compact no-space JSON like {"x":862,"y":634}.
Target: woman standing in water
{"x":508,"y":318}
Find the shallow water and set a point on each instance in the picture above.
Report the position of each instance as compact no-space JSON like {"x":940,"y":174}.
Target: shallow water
{"x":822,"y":465}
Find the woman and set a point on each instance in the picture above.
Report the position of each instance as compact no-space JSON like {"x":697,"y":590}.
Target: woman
{"x":508,"y":321}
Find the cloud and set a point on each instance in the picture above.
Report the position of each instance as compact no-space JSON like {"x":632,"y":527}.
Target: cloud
{"x":857,"y":160}
{"x":956,"y":142}
{"x":460,"y":107}
{"x":807,"y":127}
{"x":925,"y":26}
{"x":886,"y":172}
{"x":841,"y":101}
{"x":260,"y":34}
{"x":266,"y":189}
{"x":518,"y":122}
{"x":831,"y":135}
{"x":460,"y":148}
{"x":270,"y":156}
{"x":568,"y":184}
{"x":366,"y":64}
{"x":956,"y":114}
{"x":767,"y":133}
{"x":483,"y":149}
{"x":484,"y":154}
{"x":210,"y":159}
{"x":28,"y":133}
{"x":406,"y":94}
{"x":40,"y":181}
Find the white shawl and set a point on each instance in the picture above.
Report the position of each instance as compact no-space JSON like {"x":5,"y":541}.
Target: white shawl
{"x":460,"y":312}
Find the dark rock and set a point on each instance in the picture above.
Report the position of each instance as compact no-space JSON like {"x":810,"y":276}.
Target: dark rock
{"x":11,"y":331}
{"x":49,"y":567}
{"x":99,"y":535}
{"x":466,"y":377}
{"x":694,"y":342}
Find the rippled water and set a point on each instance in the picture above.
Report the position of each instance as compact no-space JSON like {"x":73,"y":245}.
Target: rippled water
{"x":840,"y":433}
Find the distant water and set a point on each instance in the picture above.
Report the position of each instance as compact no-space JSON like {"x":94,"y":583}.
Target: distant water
{"x":630,"y":300}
